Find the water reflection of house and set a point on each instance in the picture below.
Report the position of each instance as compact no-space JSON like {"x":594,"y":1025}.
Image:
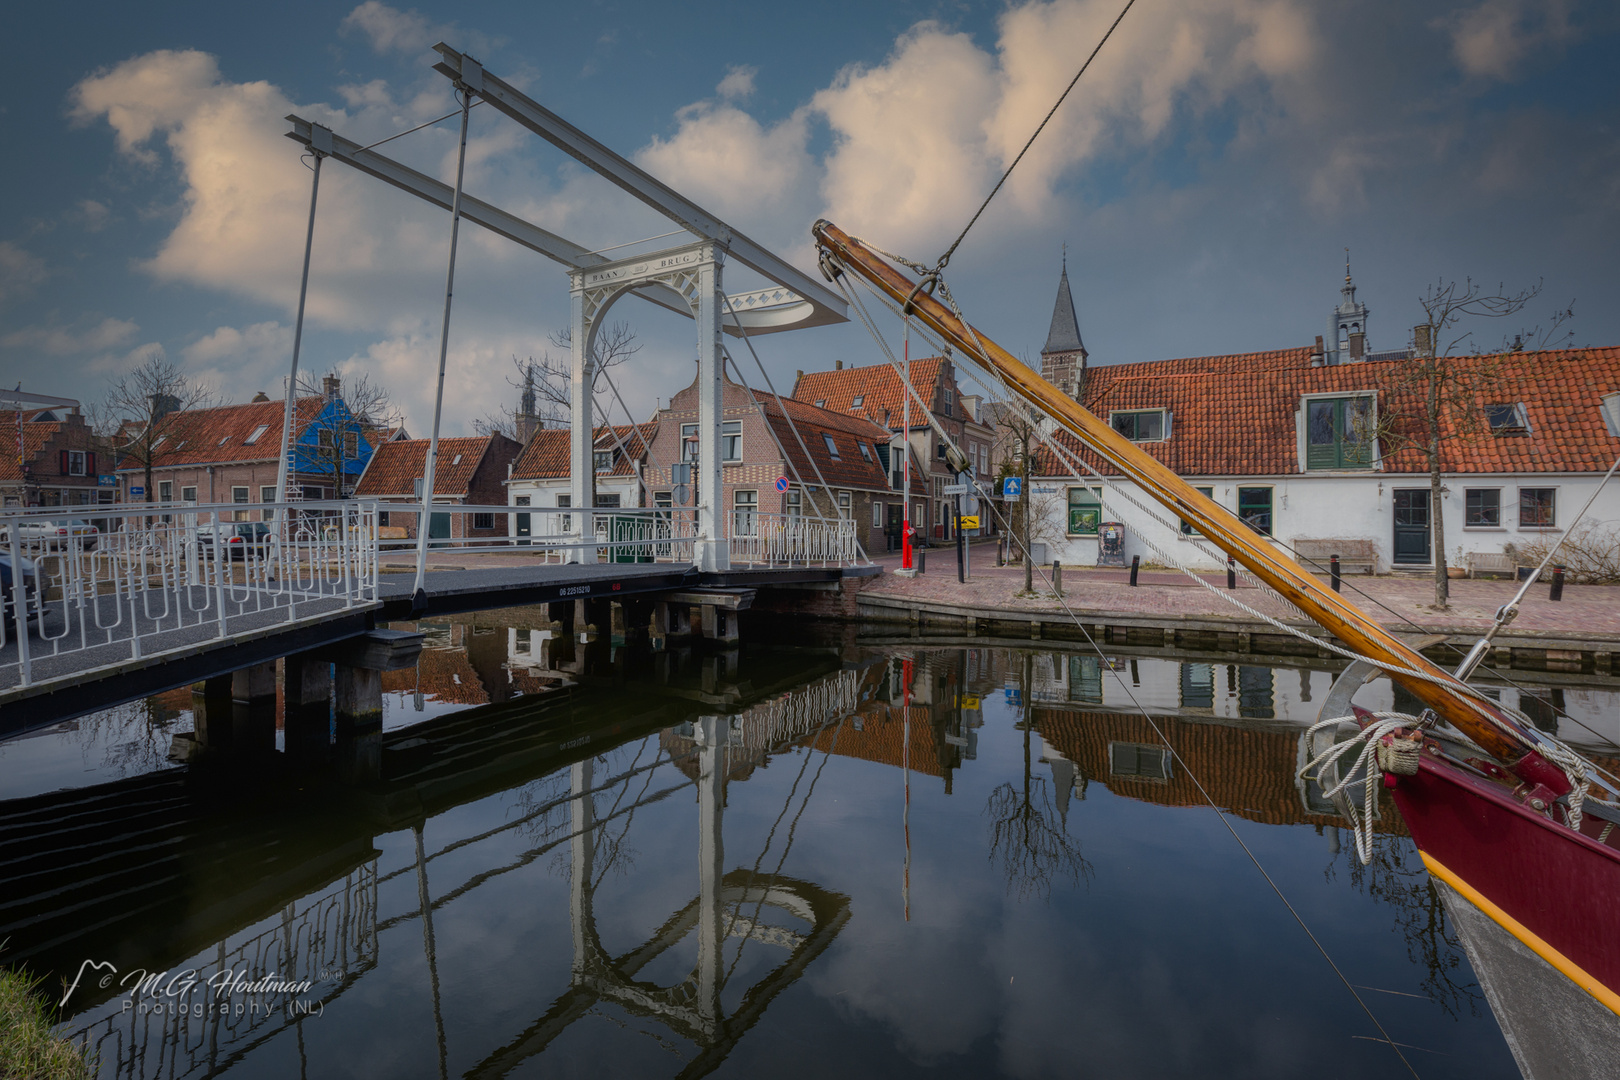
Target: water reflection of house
{"x":459,"y":665}
{"x":1247,"y":771}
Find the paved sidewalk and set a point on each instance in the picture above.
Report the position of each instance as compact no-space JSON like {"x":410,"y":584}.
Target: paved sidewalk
{"x":1587,"y":611}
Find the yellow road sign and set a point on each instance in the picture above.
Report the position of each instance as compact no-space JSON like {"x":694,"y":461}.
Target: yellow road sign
{"x":966,"y":522}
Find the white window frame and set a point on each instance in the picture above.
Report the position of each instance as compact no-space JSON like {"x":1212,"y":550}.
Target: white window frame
{"x":1519,"y":511}
{"x":731,"y":438}
{"x":1164,"y":422}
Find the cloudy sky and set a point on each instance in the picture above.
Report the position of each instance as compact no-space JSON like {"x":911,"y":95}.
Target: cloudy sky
{"x":1206,"y":174}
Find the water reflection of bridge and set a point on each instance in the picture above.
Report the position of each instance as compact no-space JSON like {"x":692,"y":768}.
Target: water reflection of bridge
{"x":241,"y":864}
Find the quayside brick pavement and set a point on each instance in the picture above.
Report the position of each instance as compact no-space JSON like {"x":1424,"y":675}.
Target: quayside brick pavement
{"x":1587,"y":611}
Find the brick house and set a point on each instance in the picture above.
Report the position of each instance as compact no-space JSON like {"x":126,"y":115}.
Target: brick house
{"x":877,"y":394}
{"x":848,"y":449}
{"x":232,"y":454}
{"x":52,"y":458}
{"x":471,"y":472}
{"x":541,"y":474}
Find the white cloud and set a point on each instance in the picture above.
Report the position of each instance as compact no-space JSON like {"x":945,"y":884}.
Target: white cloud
{"x":57,"y":340}
{"x":120,"y":363}
{"x":257,"y":343}
{"x":20,"y":271}
{"x":738,"y":85}
{"x":921,"y":137}
{"x":390,"y":30}
{"x":1492,"y":39}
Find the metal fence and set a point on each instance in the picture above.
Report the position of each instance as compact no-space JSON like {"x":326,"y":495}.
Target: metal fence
{"x":772,"y":540}
{"x":168,"y":578}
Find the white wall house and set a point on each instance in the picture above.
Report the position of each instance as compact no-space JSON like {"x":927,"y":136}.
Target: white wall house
{"x":540,"y":478}
{"x":1279,"y":438}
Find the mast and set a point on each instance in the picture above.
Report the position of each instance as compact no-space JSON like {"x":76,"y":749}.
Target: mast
{"x":1480,"y":720}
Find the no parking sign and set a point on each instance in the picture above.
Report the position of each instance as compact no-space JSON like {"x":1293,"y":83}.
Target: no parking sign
{"x":781,"y":483}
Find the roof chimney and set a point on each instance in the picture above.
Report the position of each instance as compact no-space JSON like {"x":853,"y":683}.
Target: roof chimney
{"x":1316,"y":352}
{"x":797,"y":375}
{"x":332,"y":387}
{"x":260,"y":396}
{"x":838,"y":365}
{"x":1422,"y":340}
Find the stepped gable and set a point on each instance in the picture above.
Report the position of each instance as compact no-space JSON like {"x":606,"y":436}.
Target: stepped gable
{"x":1235,"y":415}
{"x":396,"y":465}
{"x":35,"y":435}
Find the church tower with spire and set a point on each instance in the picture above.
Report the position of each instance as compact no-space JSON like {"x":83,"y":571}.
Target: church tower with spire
{"x":1347,"y":326}
{"x":1063,"y":357}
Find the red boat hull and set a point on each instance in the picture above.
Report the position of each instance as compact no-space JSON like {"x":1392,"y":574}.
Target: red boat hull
{"x":1555,"y":890}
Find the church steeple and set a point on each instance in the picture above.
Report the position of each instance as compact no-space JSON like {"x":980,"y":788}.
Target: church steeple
{"x":1347,"y":326}
{"x":1063,"y":357}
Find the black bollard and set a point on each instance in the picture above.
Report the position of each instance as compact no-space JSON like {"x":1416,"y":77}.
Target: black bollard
{"x":1136,"y":563}
{"x":919,"y":558}
{"x":1333,"y":571}
{"x":1231,"y":572}
{"x":1557,"y":591}
{"x":1057,"y":577}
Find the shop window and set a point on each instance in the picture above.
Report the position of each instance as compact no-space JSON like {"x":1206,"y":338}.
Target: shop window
{"x":1085,"y":511}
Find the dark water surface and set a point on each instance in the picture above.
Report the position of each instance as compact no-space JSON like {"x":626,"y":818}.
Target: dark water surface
{"x":756,"y":864}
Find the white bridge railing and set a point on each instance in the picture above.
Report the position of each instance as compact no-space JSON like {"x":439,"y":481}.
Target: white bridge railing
{"x":167,"y":578}
{"x":772,"y":540}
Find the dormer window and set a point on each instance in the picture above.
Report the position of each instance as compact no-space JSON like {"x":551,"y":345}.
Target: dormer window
{"x":860,"y":399}
{"x":604,"y":461}
{"x":1147,"y":425}
{"x":1507,"y":419}
{"x":1339,"y":432}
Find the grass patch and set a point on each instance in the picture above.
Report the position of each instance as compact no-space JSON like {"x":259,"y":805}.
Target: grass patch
{"x":28,"y":1048}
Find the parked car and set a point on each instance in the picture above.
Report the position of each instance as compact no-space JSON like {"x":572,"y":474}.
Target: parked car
{"x":57,"y":534}
{"x":30,"y":579}
{"x":237,"y":537}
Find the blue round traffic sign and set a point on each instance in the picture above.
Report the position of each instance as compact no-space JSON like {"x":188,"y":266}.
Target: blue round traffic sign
{"x":781,"y":483}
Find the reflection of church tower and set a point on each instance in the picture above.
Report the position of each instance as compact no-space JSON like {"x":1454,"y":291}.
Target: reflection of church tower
{"x":1347,"y":326}
{"x":1063,"y":357}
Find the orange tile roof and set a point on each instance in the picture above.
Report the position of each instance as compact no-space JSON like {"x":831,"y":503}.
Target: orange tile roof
{"x":847,"y":431}
{"x":396,"y":465}
{"x":35,"y":436}
{"x":219,"y":435}
{"x":1235,"y":415}
{"x":1247,"y":771}
{"x":546,"y":457}
{"x":879,"y":387}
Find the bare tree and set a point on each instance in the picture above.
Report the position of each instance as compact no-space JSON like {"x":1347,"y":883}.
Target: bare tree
{"x":368,"y":408}
{"x":144,"y":407}
{"x":1436,"y":394}
{"x":545,"y":385}
{"x":1033,"y":846}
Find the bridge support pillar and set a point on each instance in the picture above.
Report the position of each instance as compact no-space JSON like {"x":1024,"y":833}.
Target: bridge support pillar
{"x":211,"y":712}
{"x":256,"y":683}
{"x":359,"y":694}
{"x":306,"y":688}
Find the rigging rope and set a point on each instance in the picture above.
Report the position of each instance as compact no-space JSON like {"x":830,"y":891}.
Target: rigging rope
{"x":945,"y":258}
{"x":1575,"y":767}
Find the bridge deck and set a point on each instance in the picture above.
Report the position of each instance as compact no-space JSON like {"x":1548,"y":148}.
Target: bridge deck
{"x":66,"y":686}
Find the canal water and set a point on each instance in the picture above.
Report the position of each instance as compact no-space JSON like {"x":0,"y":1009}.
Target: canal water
{"x":816,"y":856}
